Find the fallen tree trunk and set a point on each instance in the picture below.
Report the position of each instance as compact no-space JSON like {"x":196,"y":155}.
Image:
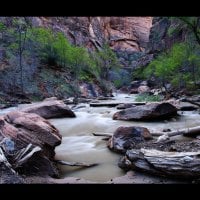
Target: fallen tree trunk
{"x":192,"y":102}
{"x":172,"y":164}
{"x":113,"y":104}
{"x":193,"y":131}
{"x":75,"y":164}
{"x":103,"y":134}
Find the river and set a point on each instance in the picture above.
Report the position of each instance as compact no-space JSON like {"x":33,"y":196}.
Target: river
{"x":79,"y":145}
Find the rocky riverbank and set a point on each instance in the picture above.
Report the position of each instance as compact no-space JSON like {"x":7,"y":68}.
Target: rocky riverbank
{"x":25,"y":126}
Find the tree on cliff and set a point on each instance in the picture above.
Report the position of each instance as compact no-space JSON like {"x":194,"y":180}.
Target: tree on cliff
{"x":178,"y":66}
{"x":193,"y":24}
{"x":15,"y":41}
{"x":106,"y":59}
{"x":21,"y":29}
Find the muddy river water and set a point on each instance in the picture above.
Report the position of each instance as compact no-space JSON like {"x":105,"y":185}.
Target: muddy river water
{"x":79,"y":144}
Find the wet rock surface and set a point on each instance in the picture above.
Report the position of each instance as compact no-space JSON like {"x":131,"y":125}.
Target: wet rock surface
{"x":27,"y":143}
{"x":50,"y":108}
{"x":133,"y":160}
{"x":152,"y":111}
{"x":125,"y":138}
{"x":182,"y":165}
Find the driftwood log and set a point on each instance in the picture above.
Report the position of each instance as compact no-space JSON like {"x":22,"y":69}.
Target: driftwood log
{"x":191,"y":101}
{"x":173,"y":164}
{"x":190,"y":132}
{"x":76,"y":164}
{"x":103,"y":134}
{"x":113,"y":104}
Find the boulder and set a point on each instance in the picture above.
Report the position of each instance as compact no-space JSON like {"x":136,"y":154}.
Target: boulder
{"x":18,"y":130}
{"x":50,"y":108}
{"x":143,"y":89}
{"x":125,"y":138}
{"x":152,"y":111}
{"x":30,"y":128}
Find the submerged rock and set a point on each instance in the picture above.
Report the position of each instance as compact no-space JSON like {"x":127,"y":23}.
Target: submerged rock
{"x":50,"y":108}
{"x":127,"y":137}
{"x":151,"y":111}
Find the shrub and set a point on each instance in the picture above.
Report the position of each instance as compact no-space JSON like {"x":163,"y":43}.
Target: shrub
{"x":177,"y":66}
{"x":148,"y":98}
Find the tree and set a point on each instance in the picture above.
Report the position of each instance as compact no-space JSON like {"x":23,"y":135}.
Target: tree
{"x":106,"y":60}
{"x":178,"y":66}
{"x":17,"y":35}
{"x":22,"y":30}
{"x":193,"y":24}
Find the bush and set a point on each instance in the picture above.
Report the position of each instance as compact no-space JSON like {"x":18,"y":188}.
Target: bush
{"x":148,"y":98}
{"x":54,"y":51}
{"x":177,"y":66}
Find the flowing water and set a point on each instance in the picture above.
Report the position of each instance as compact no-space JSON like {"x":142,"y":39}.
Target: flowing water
{"x":79,"y":145}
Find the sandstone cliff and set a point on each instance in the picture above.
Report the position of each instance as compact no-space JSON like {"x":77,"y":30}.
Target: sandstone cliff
{"x":161,"y":35}
{"x":127,"y":36}
{"x":122,"y":33}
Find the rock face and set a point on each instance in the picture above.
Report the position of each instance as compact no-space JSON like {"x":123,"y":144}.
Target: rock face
{"x":153,"y":111}
{"x":125,"y":138}
{"x":122,"y":33}
{"x":128,"y":33}
{"x":29,"y":128}
{"x":50,"y":109}
{"x":127,"y":36}
{"x":160,"y":37}
{"x":89,"y":90}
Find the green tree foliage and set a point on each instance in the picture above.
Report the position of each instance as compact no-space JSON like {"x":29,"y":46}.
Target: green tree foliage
{"x":178,"y":66}
{"x":2,"y":27}
{"x":51,"y":47}
{"x":55,"y":51}
{"x":193,"y":24}
{"x":106,"y":60}
{"x":148,"y":98}
{"x":16,"y":37}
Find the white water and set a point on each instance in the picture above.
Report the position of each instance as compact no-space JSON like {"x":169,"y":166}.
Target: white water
{"x":79,"y":145}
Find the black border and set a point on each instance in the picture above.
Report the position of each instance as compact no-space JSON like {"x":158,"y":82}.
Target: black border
{"x":100,"y":8}
{"x":100,"y":191}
